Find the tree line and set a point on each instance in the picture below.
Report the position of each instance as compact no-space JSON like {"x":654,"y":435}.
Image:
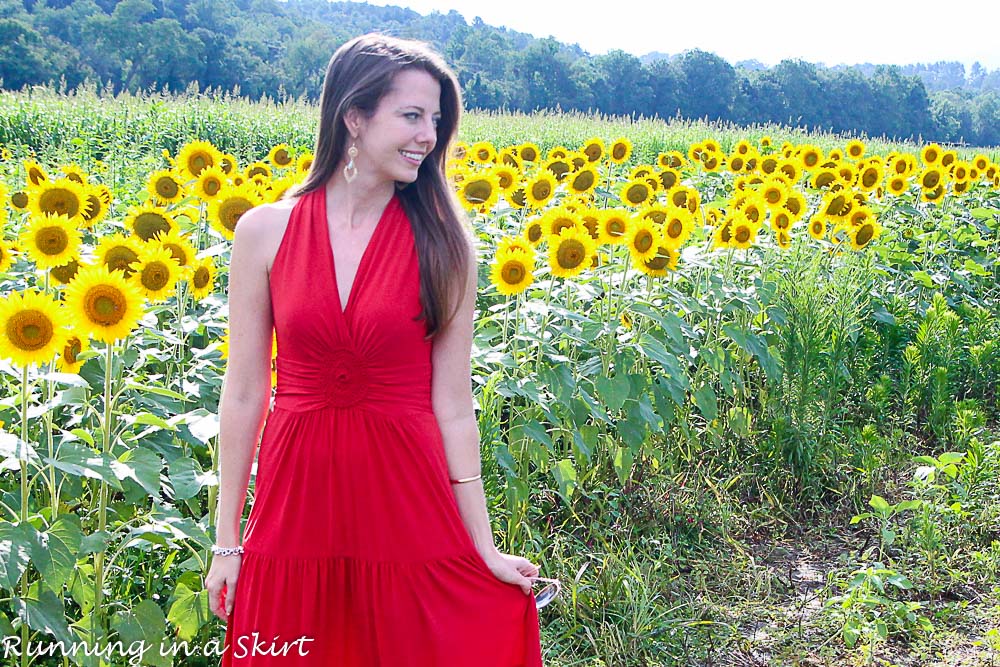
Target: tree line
{"x":280,"y":49}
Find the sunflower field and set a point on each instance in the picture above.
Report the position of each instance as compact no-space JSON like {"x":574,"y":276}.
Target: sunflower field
{"x":697,"y":368}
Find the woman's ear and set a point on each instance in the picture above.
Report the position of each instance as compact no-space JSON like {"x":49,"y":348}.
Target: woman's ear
{"x":352,"y":122}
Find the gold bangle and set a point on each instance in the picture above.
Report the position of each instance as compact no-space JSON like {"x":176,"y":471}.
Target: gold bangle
{"x":467,"y":479}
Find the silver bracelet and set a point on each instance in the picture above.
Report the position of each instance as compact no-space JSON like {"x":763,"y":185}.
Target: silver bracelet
{"x":226,"y":551}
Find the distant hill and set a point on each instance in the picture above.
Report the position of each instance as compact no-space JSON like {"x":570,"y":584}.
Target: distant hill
{"x":278,"y":49}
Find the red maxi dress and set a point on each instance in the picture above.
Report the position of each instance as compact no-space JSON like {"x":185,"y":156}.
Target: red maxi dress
{"x":355,"y":552}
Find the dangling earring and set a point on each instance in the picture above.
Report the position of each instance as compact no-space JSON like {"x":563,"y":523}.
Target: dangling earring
{"x":350,"y":169}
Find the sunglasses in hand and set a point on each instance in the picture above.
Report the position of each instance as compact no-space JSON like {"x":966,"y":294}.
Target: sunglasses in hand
{"x":547,"y":593}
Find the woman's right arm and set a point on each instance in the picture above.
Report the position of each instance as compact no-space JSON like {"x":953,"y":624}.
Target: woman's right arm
{"x":246,"y":391}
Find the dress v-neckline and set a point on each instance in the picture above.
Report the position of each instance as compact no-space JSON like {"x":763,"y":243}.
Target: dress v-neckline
{"x":351,"y":297}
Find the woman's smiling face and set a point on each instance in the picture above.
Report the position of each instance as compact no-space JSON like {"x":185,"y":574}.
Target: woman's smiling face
{"x":403,"y":130}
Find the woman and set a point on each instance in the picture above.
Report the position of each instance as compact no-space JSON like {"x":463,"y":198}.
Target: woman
{"x":368,"y":541}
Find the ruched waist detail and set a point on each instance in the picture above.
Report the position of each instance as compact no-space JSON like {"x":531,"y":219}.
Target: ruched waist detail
{"x":345,"y":379}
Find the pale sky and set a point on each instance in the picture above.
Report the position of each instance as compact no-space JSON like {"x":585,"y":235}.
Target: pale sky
{"x":832,"y":33}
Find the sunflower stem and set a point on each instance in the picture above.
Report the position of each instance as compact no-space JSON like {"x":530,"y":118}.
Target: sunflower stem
{"x":97,"y":619}
{"x":24,"y":501}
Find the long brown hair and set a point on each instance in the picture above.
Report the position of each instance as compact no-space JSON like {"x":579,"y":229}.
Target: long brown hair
{"x":360,"y":73}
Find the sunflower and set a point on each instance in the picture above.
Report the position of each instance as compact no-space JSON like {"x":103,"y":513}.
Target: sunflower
{"x":50,"y":240}
{"x":156,"y":273}
{"x":210,"y":183}
{"x":817,"y":227}
{"x":180,"y":247}
{"x":529,"y":152}
{"x":64,"y":273}
{"x":810,"y":156}
{"x":754,"y":209}
{"x":932,"y":195}
{"x":584,"y":180}
{"x":594,"y":149}
{"x":948,"y":158}
{"x":723,"y":234}
{"x":781,"y":221}
{"x":6,"y":255}
{"x":303,"y":163}
{"x":511,"y":271}
{"x":768,"y":164}
{"x":148,"y":220}
{"x":68,"y":360}
{"x":796,"y":204}
{"x":783,"y":239}
{"x":558,"y":167}
{"x":870,"y":176}
{"x":620,"y":150}
{"x":930,"y":178}
{"x":225,"y":211}
{"x":196,"y":156}
{"x":677,"y":228}
{"x":930,"y":154}
{"x":736,"y":163}
{"x":743,"y":232}
{"x":512,"y":243}
{"x":685,"y":196}
{"x":791,"y":170}
{"x":34,"y":173}
{"x":711,"y":161}
{"x":612,"y":225}
{"x":540,"y":189}
{"x":61,"y":197}
{"x":105,"y":304}
{"x":117,"y":252}
{"x":855,"y":149}
{"x":482,"y":152}
{"x":533,"y":231}
{"x":32,"y":327}
{"x":642,"y":238}
{"x":479,"y":191}
{"x":864,"y":233}
{"x":516,"y":197}
{"x":508,"y":178}
{"x":774,"y":193}
{"x":570,"y":252}
{"x":825,"y":178}
{"x":257,"y":168}
{"x":636,"y":192}
{"x":165,"y":185}
{"x":201,"y":277}
{"x":668,"y":178}
{"x":96,"y":205}
{"x":559,"y":218}
{"x":280,"y":155}
{"x":897,"y":185}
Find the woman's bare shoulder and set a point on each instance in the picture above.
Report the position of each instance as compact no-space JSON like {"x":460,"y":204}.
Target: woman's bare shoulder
{"x":264,"y":226}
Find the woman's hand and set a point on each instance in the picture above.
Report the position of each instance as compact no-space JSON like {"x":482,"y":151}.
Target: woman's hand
{"x":512,"y":569}
{"x":221,"y":584}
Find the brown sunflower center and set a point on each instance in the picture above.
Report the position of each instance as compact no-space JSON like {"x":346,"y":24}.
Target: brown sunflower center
{"x":211,"y":186}
{"x":93,"y":208}
{"x":149,"y":224}
{"x":659,"y":261}
{"x":155,"y":276}
{"x":541,"y":190}
{"x":19,"y":199}
{"x":865,"y":234}
{"x":281,"y":157}
{"x":534,"y":232}
{"x":200,"y":277}
{"x":72,"y":350}
{"x":478,"y":190}
{"x":615,"y":227}
{"x":65,"y":272}
{"x":570,"y":254}
{"x":583,"y":181}
{"x":166,"y":187}
{"x":60,"y":201}
{"x":675,"y":228}
{"x":637,"y":193}
{"x":618,"y":151}
{"x":513,"y":272}
{"x":199,"y":161}
{"x":742,"y":234}
{"x":231,"y":210}
{"x":643,"y":240}
{"x":52,"y":240}
{"x":29,"y":330}
{"x":119,"y":258}
{"x":104,"y":304}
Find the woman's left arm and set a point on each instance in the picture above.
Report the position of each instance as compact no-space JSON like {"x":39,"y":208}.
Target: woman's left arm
{"x":451,"y":397}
